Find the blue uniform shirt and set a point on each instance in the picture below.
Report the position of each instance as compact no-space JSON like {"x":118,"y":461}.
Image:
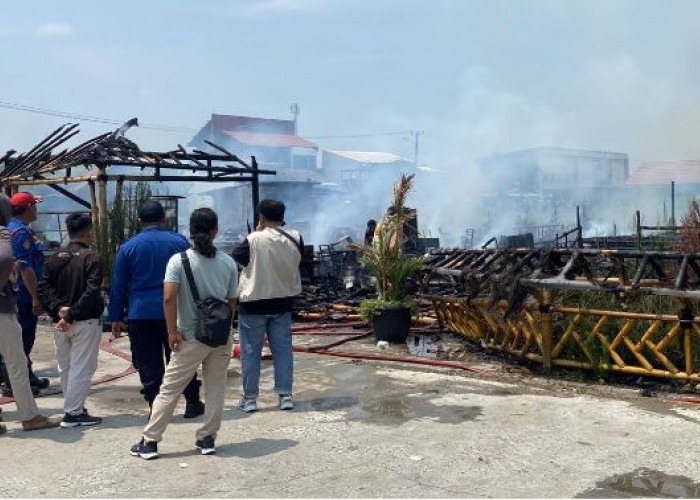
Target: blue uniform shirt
{"x":27,"y":250}
{"x":139,"y":271}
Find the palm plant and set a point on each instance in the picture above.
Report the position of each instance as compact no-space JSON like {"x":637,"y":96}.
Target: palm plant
{"x":385,"y":259}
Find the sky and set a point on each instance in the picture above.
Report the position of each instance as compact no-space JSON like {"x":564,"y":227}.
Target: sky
{"x":477,"y":77}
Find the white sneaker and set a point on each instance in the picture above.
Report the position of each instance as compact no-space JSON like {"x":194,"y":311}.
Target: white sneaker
{"x":248,"y":405}
{"x":286,"y":402}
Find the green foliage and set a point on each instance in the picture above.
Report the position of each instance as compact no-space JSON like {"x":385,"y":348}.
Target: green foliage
{"x":123,"y":222}
{"x":385,"y":259}
{"x":368,"y":306}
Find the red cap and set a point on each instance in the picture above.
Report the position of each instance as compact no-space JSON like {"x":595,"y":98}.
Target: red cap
{"x":22,"y":200}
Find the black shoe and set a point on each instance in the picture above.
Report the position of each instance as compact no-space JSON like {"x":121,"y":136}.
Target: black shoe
{"x":7,"y":392}
{"x":206,"y":445}
{"x":39,"y":383}
{"x":83,"y":419}
{"x":147,"y":450}
{"x":194,"y":409}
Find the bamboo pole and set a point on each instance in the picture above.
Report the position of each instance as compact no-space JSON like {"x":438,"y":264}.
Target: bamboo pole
{"x":102,"y":199}
{"x":688,"y":344}
{"x":546,"y":322}
{"x":93,"y":208}
{"x":44,"y":182}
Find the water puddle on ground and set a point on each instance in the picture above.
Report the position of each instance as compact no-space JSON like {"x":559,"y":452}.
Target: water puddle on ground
{"x":644,"y":483}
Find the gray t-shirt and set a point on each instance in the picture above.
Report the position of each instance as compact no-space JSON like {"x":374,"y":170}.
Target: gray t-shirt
{"x":215,"y":277}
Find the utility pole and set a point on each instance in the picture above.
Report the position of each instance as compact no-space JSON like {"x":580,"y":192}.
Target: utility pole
{"x":294,"y":109}
{"x":416,"y":134}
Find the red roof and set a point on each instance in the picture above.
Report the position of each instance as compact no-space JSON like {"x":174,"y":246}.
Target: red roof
{"x":252,"y":124}
{"x":270,"y":140}
{"x":663,"y":172}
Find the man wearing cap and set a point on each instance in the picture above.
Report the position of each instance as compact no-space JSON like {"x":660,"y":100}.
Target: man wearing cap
{"x":71,"y":292}
{"x":27,"y":251}
{"x":270,"y":279}
{"x":137,"y":285}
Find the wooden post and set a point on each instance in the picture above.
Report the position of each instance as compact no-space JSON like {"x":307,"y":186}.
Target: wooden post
{"x":93,"y":206}
{"x":673,"y":203}
{"x":546,"y":322}
{"x":102,"y":199}
{"x":639,"y":230}
{"x":255,"y":187}
{"x":118,"y":203}
{"x":579,"y":229}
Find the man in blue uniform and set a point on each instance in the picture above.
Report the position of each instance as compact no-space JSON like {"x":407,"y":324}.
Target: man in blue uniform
{"x":27,"y":251}
{"x":138,"y":280}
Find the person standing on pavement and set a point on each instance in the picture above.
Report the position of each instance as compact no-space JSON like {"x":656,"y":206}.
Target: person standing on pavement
{"x":270,"y":280}
{"x":27,"y":251}
{"x":137,"y":280}
{"x":215,"y":276}
{"x":11,"y":346}
{"x":70,"y":290}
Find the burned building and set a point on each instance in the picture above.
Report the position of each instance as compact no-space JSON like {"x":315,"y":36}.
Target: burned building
{"x":275,"y":145}
{"x":541,"y":187}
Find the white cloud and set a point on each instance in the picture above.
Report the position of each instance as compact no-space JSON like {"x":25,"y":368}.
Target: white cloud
{"x":50,"y":30}
{"x":285,"y":6}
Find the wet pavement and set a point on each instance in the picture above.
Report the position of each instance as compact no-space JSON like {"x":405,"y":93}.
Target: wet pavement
{"x":644,"y":483}
{"x":367,"y":429}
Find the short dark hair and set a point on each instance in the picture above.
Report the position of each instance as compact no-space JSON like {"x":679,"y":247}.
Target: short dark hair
{"x":18,"y":211}
{"x":78,"y":224}
{"x":371,"y":222}
{"x":272,"y":210}
{"x":151,"y":211}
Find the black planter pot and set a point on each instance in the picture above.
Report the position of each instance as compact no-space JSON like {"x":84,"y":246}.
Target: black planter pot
{"x":392,"y":323}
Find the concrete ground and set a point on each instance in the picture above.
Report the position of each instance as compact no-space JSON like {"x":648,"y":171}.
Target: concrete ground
{"x":366,"y":429}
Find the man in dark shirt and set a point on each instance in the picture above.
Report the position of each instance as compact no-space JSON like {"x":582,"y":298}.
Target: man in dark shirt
{"x":138,"y":279}
{"x":70,"y":291}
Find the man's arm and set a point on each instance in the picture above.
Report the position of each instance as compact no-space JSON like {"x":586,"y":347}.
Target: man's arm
{"x":22,"y":243}
{"x":170,"y":292}
{"x":94,"y":271}
{"x":241,"y":252}
{"x":117,"y":292}
{"x":48,"y":296}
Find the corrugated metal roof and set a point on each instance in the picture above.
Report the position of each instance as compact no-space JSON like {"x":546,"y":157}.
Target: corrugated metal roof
{"x":270,"y":140}
{"x":663,"y":172}
{"x":368,"y":156}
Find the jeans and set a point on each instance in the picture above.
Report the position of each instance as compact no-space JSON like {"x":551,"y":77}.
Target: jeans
{"x":150,"y":352}
{"x":252,"y":330}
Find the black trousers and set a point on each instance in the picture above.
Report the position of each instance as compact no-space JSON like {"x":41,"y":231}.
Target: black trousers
{"x":149,"y":354}
{"x":28,"y":321}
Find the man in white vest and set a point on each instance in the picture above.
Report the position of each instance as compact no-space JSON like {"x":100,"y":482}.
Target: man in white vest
{"x":270,"y":279}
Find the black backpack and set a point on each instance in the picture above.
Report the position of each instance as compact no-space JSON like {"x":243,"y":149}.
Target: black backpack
{"x":214,"y":316}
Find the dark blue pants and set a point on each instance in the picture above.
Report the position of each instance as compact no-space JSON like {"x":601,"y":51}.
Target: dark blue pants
{"x":149,"y":354}
{"x":28,"y":321}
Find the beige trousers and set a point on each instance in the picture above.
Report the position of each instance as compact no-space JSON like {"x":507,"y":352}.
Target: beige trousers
{"x":76,"y":352}
{"x":12,"y":350}
{"x":178,"y":373}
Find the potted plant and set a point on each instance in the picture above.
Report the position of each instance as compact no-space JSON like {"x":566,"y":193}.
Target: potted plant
{"x":390,"y":312}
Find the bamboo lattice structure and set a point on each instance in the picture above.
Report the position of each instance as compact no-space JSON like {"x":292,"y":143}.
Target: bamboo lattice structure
{"x":539,"y":305}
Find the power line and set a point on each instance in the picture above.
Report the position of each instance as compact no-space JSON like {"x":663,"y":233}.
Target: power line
{"x":352,"y":136}
{"x":163,"y":128}
{"x":87,"y":118}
